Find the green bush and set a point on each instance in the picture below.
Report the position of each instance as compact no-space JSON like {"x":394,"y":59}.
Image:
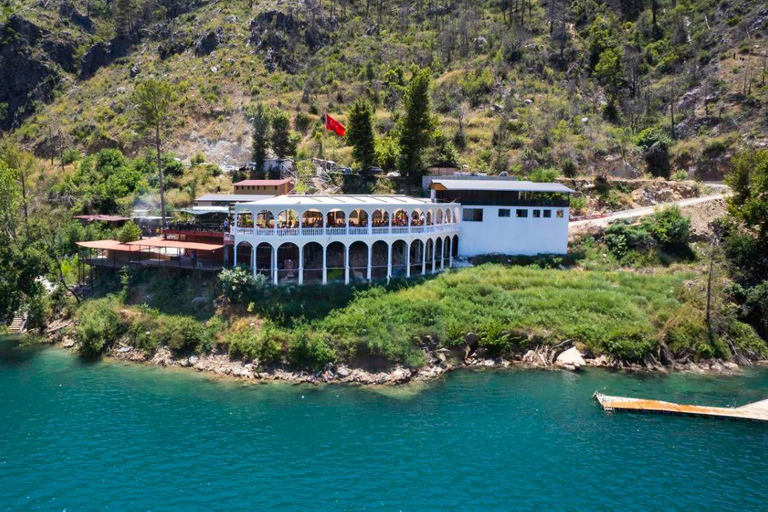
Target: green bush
{"x":238,"y":284}
{"x":265,"y":344}
{"x":309,"y":348}
{"x":621,"y":238}
{"x":98,"y":326}
{"x":69,"y":156}
{"x":130,"y":232}
{"x":669,"y":228}
{"x":182,"y":334}
{"x":655,"y":145}
{"x":544,"y":175}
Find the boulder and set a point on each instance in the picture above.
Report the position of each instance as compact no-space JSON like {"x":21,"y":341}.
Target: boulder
{"x":209,"y":42}
{"x":571,"y":359}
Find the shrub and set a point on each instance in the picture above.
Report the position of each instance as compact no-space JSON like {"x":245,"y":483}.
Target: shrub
{"x":182,"y":334}
{"x":680,"y":175}
{"x":669,"y":228}
{"x":266,"y":344}
{"x":309,"y":348}
{"x":568,"y":166}
{"x":98,"y":326}
{"x":69,"y":156}
{"x":198,"y":159}
{"x":130,"y":232}
{"x":655,"y":145}
{"x":621,"y":238}
{"x":544,"y":175}
{"x":238,"y":284}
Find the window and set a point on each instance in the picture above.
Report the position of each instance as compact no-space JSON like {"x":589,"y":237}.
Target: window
{"x":521,"y":214}
{"x":559,"y":214}
{"x":547,"y":214}
{"x":473,"y":215}
{"x":536,"y":214}
{"x":503,"y":212}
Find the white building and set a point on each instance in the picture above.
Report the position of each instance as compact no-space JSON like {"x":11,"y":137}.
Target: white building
{"x":508,"y":216}
{"x":345,"y":238}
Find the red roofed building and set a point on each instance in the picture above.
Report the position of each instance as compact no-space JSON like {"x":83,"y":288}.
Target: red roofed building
{"x":264,"y":187}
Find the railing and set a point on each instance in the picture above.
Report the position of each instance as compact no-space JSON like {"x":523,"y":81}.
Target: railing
{"x":355,"y":230}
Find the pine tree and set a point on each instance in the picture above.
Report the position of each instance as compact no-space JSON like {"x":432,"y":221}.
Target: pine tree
{"x":360,"y":135}
{"x":260,"y":136}
{"x":280,"y":138}
{"x":415,"y":127}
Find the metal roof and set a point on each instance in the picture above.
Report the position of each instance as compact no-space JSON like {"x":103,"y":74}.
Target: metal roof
{"x":110,"y":245}
{"x":204,"y":210}
{"x":268,"y":183}
{"x":102,"y":218}
{"x":114,"y":245}
{"x":341,"y":200}
{"x":501,"y":186}
{"x":233,"y":198}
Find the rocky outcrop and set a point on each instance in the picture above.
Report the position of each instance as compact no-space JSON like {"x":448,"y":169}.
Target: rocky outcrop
{"x":209,"y":42}
{"x":278,"y":37}
{"x":571,"y":359}
{"x":69,"y":12}
{"x":27,"y":75}
{"x":102,"y":54}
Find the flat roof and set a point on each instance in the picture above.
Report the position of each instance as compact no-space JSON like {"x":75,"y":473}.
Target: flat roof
{"x":344,"y":200}
{"x":115,"y":245}
{"x":233,"y":198}
{"x":268,"y":183}
{"x":500,"y":186}
{"x":102,"y":218}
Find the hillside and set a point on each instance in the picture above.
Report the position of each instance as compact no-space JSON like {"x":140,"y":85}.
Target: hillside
{"x":516,"y":86}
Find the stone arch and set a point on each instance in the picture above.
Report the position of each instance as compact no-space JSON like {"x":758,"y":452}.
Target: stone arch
{"x":456,"y":214}
{"x":334,"y":261}
{"x":358,"y":261}
{"x":417,"y":217}
{"x":380,"y":218}
{"x":379,"y":260}
{"x":448,"y":216}
{"x":336,"y":218}
{"x":400,"y":218}
{"x":288,"y":219}
{"x":265,"y":219}
{"x":313,"y":263}
{"x":399,"y":258}
{"x":455,"y":246}
{"x":244,"y":219}
{"x":264,"y":259}
{"x":430,"y":217}
{"x":312,"y":219}
{"x":358,"y":218}
{"x":446,"y":251}
{"x":438,"y":253}
{"x":244,"y":255}
{"x":417,"y":256}
{"x":439,"y":216}
{"x":288,"y":263}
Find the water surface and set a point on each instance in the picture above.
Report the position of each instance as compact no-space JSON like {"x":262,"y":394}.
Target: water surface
{"x":113,"y":436}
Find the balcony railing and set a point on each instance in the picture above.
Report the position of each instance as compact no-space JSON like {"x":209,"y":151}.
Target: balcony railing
{"x":352,"y":230}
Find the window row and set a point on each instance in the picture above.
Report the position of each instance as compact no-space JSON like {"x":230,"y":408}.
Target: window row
{"x":476,"y":214}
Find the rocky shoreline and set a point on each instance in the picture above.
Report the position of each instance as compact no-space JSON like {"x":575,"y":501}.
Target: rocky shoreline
{"x":565,"y":357}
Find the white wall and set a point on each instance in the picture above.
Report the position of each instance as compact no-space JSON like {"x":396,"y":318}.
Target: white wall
{"x":512,"y":235}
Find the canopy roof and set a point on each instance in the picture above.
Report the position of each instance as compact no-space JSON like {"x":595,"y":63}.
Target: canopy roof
{"x":499,"y":186}
{"x":102,"y":218}
{"x":114,"y":245}
{"x":232,"y":198}
{"x":204,"y":210}
{"x":262,"y":183}
{"x":342,"y":200}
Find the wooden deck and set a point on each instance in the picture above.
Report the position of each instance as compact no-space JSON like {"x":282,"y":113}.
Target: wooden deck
{"x":757,"y":411}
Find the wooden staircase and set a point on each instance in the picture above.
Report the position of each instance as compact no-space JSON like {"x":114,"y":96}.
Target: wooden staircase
{"x":18,"y":324}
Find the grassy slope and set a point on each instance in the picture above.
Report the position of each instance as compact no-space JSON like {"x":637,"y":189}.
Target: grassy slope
{"x":212,"y":115}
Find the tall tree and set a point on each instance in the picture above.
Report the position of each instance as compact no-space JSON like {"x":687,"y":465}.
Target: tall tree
{"x":21,"y":164}
{"x":415,"y":127}
{"x":153,"y":100}
{"x":260,"y":136}
{"x":282,"y":142}
{"x":360,"y":135}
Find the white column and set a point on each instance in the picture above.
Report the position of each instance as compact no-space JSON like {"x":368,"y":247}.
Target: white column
{"x":433,"y":255}
{"x":274,"y":263}
{"x":369,"y":223}
{"x":407,"y":260}
{"x":325,"y":270}
{"x":390,"y":215}
{"x":423,"y":258}
{"x":301,"y":225}
{"x":235,"y":264}
{"x":346,"y":261}
{"x":301,"y":262}
{"x":274,"y":228}
{"x":253,"y":261}
{"x":389,"y":258}
{"x":370,"y":251}
{"x":450,"y":252}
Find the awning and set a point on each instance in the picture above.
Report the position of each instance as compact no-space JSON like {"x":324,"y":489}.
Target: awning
{"x":102,"y":218}
{"x":175,"y":244}
{"x":204,"y":210}
{"x":114,"y":245}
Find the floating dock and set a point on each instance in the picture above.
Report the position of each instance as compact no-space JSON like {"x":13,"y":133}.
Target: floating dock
{"x":757,"y":411}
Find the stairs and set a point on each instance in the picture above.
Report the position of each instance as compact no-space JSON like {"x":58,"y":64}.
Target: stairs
{"x":17,"y":325}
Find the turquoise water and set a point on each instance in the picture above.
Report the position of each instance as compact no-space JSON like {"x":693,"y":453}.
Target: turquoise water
{"x":110,"y":436}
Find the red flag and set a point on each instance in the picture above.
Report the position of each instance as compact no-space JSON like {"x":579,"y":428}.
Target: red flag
{"x":334,"y":126}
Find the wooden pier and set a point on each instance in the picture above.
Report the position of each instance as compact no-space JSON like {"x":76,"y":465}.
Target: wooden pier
{"x":757,"y":411}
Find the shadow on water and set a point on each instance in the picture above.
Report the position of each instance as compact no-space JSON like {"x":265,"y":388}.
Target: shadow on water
{"x":14,"y":353}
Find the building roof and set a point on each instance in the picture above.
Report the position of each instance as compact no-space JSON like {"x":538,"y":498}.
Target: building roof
{"x":232,"y":198}
{"x":114,"y":245}
{"x":342,"y":200}
{"x":205,"y":210}
{"x":175,"y":244}
{"x":102,"y":218}
{"x":262,"y":183}
{"x":499,"y":186}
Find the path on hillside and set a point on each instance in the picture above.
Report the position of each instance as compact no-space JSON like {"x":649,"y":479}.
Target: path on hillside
{"x":637,"y":212}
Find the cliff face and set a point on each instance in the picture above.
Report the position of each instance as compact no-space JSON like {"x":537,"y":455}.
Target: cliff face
{"x":32,"y":62}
